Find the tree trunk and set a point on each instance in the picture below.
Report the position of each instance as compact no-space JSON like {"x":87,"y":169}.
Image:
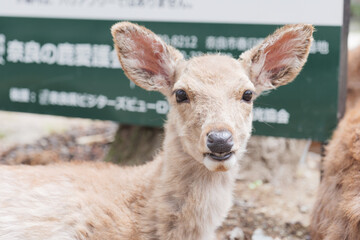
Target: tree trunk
{"x":134,"y":145}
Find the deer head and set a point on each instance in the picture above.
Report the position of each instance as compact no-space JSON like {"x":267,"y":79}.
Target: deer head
{"x":211,"y":95}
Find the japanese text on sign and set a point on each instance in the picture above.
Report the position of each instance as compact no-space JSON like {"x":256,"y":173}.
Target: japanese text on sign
{"x":112,"y":3}
{"x":68,"y":54}
{"x":121,"y":103}
{"x":47,"y":97}
{"x":104,"y":56}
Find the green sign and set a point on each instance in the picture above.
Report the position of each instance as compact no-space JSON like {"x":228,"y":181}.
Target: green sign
{"x":57,"y":57}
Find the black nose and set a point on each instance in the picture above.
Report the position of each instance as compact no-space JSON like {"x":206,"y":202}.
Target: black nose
{"x":220,"y":141}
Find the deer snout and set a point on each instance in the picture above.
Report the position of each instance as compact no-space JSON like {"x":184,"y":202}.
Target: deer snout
{"x":220,"y":141}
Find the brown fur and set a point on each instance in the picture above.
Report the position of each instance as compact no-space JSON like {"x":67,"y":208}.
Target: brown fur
{"x":183,"y":193}
{"x":336,"y":213}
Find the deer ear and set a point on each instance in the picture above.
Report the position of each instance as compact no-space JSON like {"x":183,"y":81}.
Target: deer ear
{"x":279,"y":58}
{"x":144,"y":57}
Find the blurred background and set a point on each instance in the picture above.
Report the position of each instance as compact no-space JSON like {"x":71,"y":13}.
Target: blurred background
{"x":275,"y":188}
{"x":354,"y":34}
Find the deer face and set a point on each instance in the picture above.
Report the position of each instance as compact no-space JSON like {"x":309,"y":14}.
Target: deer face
{"x":211,"y":95}
{"x":211,"y":104}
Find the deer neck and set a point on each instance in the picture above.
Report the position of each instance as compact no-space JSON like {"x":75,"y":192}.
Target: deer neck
{"x":191,"y":202}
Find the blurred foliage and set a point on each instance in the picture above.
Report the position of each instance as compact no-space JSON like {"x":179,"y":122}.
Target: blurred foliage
{"x":355,"y":9}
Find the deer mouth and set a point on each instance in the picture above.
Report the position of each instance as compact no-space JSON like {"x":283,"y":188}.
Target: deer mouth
{"x":220,"y":156}
{"x":220,"y":162}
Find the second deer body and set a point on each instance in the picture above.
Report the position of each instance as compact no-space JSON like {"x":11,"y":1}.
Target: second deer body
{"x":336,"y":213}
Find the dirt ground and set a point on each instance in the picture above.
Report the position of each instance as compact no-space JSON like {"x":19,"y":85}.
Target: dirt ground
{"x":263,"y":209}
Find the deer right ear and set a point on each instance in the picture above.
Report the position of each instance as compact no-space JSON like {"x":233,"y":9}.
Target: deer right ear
{"x":279,"y":58}
{"x":145,"y":58}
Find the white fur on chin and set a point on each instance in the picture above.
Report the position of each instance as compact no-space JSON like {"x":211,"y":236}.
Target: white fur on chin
{"x":220,"y":166}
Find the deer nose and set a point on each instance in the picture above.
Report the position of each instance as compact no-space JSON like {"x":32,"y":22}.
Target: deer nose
{"x":220,"y":141}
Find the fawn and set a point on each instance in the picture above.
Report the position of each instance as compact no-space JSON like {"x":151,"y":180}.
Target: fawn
{"x":336,"y":212}
{"x":186,"y":191}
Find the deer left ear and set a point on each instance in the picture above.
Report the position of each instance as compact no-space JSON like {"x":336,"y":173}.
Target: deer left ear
{"x":146,"y":59}
{"x":279,"y":58}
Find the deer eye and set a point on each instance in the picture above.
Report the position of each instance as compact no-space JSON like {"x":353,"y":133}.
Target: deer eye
{"x":181,"y":96}
{"x":247,"y":95}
